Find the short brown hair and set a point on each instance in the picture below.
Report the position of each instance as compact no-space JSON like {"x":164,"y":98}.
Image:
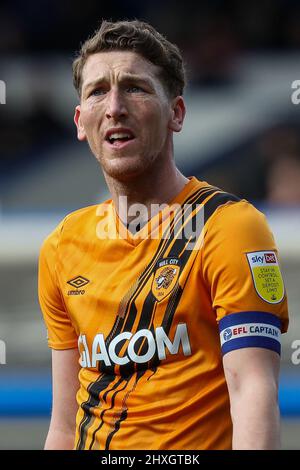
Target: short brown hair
{"x":142,"y":38}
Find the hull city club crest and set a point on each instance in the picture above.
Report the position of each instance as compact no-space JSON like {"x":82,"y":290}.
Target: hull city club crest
{"x":165,"y":277}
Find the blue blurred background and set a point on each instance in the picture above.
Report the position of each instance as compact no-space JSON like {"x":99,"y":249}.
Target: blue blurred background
{"x":242,"y":132}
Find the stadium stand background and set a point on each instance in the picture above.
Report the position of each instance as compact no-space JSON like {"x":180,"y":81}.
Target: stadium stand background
{"x":242,"y":132}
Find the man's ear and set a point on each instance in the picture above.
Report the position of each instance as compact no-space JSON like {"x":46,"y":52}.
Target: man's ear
{"x":177,"y":114}
{"x":81,"y":135}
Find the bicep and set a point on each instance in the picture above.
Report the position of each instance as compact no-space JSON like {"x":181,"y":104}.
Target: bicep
{"x":252,"y":379}
{"x":65,"y":384}
{"x":257,"y":368}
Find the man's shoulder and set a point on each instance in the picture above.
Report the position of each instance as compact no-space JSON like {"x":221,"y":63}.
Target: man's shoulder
{"x":236,"y":222}
{"x":229,"y":208}
{"x":79,"y":221}
{"x":85,"y":215}
{"x":226,"y":211}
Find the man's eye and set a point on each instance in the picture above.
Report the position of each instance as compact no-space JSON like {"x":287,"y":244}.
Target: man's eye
{"x":97,"y":92}
{"x":134,"y":89}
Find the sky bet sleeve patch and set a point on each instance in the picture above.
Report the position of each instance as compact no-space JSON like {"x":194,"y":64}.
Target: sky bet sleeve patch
{"x":266,"y":276}
{"x":250,"y":329}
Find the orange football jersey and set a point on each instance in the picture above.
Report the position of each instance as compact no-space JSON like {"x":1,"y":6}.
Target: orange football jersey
{"x":153,"y":312}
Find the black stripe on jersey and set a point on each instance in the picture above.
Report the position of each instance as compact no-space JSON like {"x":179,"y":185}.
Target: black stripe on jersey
{"x":167,"y":322}
{"x":117,"y":427}
{"x":216,"y":201}
{"x":123,"y":415}
{"x":171,"y":308}
{"x":110,"y":408}
{"x":117,"y":328}
{"x":94,"y":390}
{"x":145,"y":321}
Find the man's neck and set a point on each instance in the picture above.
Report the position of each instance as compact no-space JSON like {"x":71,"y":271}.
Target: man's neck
{"x":149,"y":190}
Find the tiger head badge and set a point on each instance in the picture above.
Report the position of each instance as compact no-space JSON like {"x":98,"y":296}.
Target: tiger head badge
{"x":165,"y":277}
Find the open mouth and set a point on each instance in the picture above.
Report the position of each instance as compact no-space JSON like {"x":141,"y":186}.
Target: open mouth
{"x":119,"y":138}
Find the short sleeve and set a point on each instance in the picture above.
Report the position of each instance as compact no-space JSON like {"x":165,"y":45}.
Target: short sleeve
{"x":61,"y":334}
{"x":241,"y":270}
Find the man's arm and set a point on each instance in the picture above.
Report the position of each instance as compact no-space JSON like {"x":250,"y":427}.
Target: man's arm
{"x":65,"y":384}
{"x":252,"y":380}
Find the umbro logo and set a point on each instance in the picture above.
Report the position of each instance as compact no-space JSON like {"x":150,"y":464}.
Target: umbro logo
{"x":78,"y":282}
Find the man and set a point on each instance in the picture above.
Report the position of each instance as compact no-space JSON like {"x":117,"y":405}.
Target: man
{"x":168,"y":337}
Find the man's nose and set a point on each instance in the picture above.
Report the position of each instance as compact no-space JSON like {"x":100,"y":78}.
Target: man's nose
{"x":116,"y":106}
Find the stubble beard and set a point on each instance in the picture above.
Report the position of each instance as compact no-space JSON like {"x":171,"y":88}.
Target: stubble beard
{"x":124,"y":167}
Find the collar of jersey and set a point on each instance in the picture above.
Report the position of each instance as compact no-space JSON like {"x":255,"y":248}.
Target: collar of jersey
{"x":153,"y":224}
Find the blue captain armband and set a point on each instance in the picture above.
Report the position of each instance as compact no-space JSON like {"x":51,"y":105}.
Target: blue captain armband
{"x":250,"y":329}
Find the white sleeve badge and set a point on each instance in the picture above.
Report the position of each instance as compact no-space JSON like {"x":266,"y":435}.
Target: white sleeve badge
{"x":266,"y":276}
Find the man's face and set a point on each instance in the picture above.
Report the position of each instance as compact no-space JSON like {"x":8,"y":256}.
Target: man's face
{"x":125,"y":113}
